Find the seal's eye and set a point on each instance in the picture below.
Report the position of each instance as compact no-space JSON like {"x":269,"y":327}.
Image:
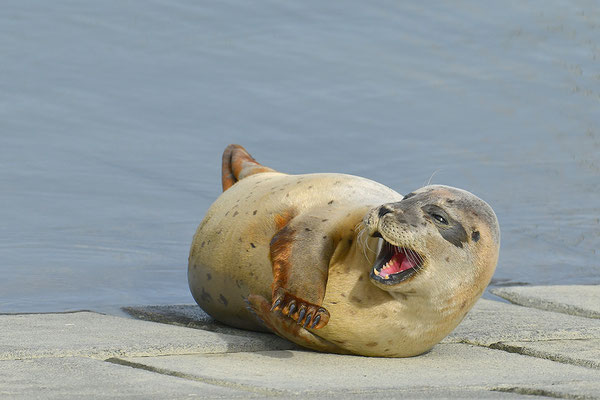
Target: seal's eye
{"x":439,"y":219}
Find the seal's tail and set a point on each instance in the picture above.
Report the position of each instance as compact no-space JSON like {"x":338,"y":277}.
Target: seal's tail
{"x":238,"y":164}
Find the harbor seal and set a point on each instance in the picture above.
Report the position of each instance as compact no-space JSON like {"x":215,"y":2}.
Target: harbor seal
{"x":339,"y":263}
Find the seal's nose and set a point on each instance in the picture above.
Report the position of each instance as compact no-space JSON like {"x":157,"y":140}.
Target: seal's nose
{"x":383,"y":210}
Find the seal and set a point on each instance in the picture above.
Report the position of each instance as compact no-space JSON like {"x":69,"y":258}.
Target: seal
{"x":340,"y":263}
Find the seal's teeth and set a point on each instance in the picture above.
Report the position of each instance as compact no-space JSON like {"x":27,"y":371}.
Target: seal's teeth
{"x":386,"y":276}
{"x":376,"y":272}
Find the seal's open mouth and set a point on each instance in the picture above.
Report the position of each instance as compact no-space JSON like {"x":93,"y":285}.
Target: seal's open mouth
{"x":395,"y":264}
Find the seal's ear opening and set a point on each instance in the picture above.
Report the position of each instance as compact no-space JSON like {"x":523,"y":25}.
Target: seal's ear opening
{"x":395,"y":264}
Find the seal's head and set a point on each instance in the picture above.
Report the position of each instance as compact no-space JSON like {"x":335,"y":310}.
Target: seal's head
{"x":436,"y":240}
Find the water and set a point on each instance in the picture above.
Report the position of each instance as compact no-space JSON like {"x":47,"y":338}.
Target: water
{"x":113,"y":117}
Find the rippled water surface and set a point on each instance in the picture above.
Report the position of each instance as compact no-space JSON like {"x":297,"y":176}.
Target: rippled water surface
{"x":113,"y":117}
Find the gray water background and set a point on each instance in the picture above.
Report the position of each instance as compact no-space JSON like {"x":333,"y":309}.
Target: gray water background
{"x":114,"y":114}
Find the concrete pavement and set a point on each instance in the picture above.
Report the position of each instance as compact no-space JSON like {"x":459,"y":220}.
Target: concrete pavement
{"x":500,"y":350}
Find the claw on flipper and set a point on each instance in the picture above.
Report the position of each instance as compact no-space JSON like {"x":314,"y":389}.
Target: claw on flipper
{"x":292,"y":309}
{"x":276,"y":304}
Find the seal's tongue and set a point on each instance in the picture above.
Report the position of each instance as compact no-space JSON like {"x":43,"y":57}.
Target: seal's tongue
{"x":398,"y":263}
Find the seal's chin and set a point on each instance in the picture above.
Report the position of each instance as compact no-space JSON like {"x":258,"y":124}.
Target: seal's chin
{"x":395,"y":264}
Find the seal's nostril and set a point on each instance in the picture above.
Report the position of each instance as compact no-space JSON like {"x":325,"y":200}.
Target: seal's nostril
{"x":383,"y":210}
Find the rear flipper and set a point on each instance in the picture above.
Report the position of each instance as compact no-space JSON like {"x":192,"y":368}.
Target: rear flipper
{"x":287,"y":328}
{"x":238,"y":164}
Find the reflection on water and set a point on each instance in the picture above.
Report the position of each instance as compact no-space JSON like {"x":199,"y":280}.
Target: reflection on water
{"x":113,"y":119}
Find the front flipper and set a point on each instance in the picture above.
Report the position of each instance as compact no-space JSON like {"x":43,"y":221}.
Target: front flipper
{"x":288,"y":328}
{"x":300,"y":253}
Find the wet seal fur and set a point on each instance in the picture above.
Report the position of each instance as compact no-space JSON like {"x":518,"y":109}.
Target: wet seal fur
{"x":297,"y":255}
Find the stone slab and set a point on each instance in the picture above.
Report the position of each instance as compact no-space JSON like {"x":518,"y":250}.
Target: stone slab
{"x":85,"y":378}
{"x":585,"y":353}
{"x":580,"y":390}
{"x":103,"y":336}
{"x":491,"y":322}
{"x":414,"y":394}
{"x":188,"y":315}
{"x":580,"y":300}
{"x":447,"y":365}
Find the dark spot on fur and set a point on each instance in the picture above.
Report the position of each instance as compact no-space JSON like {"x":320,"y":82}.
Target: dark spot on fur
{"x":219,"y":231}
{"x":338,"y":341}
{"x":324,"y":220}
{"x":447,"y":259}
{"x":337,"y":182}
{"x":227,"y":213}
{"x":450,"y":201}
{"x":360,"y":278}
{"x":371,"y":344}
{"x":254,"y":212}
{"x":334,"y":302}
{"x":475,"y":236}
{"x":413,"y":225}
{"x":310,"y":187}
{"x":205,"y":296}
{"x":402,"y":220}
{"x":331,"y":202}
{"x":408,"y":196}
{"x":386,"y":350}
{"x":235,"y":213}
{"x":342,"y":294}
{"x":240,"y":239}
{"x":349,"y":242}
{"x":238,"y":284}
{"x":287,"y":195}
{"x":325,"y":237}
{"x":223,"y":300}
{"x":203,"y":243}
{"x":307,"y":229}
{"x":253,"y":246}
{"x":356,"y":299}
{"x":208,"y":277}
{"x":455,"y":235}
